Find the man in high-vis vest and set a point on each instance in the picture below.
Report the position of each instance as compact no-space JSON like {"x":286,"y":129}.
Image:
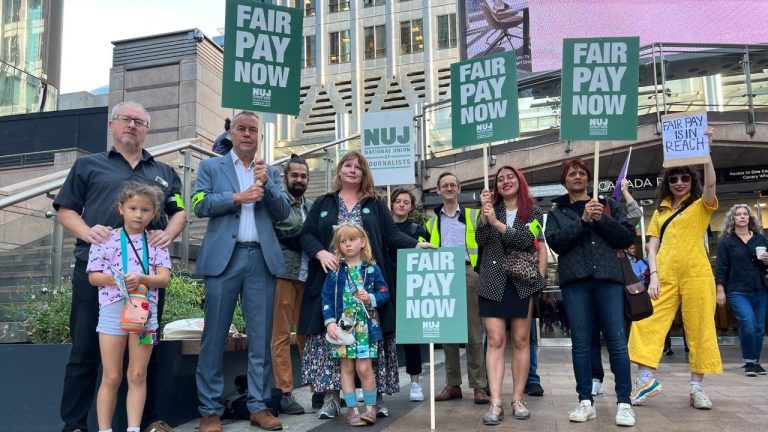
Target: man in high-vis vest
{"x":455,"y":227}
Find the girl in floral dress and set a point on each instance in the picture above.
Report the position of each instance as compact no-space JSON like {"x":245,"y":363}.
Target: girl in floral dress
{"x":350,"y":297}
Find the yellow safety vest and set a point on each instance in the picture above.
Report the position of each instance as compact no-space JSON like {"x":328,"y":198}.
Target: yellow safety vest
{"x":470,"y":216}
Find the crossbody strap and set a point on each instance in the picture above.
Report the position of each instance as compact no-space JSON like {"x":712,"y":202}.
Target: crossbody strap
{"x":666,"y":223}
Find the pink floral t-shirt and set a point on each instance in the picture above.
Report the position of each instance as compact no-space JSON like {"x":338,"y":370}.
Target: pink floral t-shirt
{"x":102,"y":257}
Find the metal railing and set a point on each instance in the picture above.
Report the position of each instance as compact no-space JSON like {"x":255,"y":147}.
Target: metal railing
{"x":187,"y":148}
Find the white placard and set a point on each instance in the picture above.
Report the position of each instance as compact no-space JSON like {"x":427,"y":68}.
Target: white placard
{"x":388,"y":145}
{"x":683,"y":139}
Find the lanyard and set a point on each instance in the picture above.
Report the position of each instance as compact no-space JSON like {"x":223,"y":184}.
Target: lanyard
{"x":124,"y":251}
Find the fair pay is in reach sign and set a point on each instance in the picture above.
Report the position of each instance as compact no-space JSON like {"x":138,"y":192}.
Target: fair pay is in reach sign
{"x":683,"y":139}
{"x":431,"y":298}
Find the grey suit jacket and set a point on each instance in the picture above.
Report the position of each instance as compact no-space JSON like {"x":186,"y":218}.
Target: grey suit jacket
{"x":213,"y":198}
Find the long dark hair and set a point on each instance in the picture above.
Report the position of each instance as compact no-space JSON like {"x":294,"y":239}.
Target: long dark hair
{"x":664,"y":190}
{"x":524,"y":197}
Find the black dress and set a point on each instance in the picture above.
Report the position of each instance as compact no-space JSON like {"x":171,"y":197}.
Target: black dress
{"x":510,"y":306}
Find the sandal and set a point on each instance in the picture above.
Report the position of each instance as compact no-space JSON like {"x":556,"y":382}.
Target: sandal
{"x":492,"y":418}
{"x":519,"y":411}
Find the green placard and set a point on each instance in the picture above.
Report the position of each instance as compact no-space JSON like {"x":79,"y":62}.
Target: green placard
{"x":599,"y":89}
{"x":431,"y":296}
{"x":262,"y":57}
{"x":484,"y":100}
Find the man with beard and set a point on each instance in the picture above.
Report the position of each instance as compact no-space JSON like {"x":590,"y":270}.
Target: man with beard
{"x":290,"y":285}
{"x":86,"y":206}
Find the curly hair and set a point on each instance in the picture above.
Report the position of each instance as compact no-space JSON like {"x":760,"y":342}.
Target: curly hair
{"x":664,"y":190}
{"x":367,"y":189}
{"x":133,"y":188}
{"x":400,"y":191}
{"x":729,"y":223}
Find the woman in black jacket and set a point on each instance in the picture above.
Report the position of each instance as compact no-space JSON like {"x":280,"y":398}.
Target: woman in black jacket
{"x":741,"y":278}
{"x":509,"y":221}
{"x":586,"y":234}
{"x":403,"y":205}
{"x":353,"y":199}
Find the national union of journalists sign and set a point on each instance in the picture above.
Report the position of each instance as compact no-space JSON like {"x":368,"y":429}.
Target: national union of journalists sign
{"x":262,"y":57}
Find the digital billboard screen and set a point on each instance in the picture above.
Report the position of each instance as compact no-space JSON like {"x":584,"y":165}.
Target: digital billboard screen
{"x":535,"y":29}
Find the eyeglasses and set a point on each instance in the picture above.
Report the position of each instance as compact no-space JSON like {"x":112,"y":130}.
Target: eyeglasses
{"x":126,"y":120}
{"x":685,"y":178}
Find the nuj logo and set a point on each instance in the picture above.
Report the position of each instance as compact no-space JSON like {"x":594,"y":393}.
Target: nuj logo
{"x":260,"y":92}
{"x":598,"y":122}
{"x":484,"y":127}
{"x":430,"y":325}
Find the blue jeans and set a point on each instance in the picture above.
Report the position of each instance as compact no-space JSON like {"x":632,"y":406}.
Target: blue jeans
{"x":749,"y":308}
{"x":584,"y":301}
{"x":533,"y":377}
{"x":596,"y":357}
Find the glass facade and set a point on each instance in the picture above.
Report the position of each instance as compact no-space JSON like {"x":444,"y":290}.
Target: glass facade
{"x":30,"y":36}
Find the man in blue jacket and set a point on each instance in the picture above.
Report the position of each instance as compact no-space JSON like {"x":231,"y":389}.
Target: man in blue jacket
{"x":242,"y":196}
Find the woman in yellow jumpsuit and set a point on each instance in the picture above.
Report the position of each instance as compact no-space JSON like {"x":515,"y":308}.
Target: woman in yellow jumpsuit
{"x":680,"y":276}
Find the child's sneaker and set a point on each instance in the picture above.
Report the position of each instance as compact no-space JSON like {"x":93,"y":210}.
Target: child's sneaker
{"x":641,"y":392}
{"x":585,"y":411}
{"x":368,"y":417}
{"x":354,"y":419}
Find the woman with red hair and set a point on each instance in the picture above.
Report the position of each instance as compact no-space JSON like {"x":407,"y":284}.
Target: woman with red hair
{"x":508,"y":221}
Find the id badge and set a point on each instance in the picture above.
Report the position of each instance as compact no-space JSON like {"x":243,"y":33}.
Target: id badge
{"x":148,"y":338}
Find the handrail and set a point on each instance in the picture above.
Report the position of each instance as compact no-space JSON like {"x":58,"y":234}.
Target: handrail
{"x":159,"y":150}
{"x":318,"y":148}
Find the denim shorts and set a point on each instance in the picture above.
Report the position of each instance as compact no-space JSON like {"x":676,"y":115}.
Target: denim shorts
{"x":109,"y":319}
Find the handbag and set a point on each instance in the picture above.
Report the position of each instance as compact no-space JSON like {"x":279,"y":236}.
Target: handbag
{"x":521,"y":266}
{"x":637,"y":305}
{"x":136,"y":310}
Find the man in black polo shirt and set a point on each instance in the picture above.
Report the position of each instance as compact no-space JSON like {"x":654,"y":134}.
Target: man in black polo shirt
{"x":86,"y":206}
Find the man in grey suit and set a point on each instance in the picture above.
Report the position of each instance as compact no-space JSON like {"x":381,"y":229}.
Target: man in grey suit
{"x":242,"y":196}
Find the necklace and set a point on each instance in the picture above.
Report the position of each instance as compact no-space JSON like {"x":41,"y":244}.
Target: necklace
{"x":676,"y":205}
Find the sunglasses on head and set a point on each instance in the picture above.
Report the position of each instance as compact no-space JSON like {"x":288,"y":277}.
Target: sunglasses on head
{"x":685,"y":178}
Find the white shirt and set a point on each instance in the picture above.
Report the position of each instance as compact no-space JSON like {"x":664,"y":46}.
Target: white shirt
{"x":246,"y":231}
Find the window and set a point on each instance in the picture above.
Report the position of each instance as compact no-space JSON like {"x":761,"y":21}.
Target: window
{"x":371,"y":3}
{"x":310,"y":51}
{"x":411,"y":39}
{"x":309,"y":8}
{"x":340,"y":47}
{"x":338,"y":6}
{"x":375,"y":42}
{"x":446,"y":31}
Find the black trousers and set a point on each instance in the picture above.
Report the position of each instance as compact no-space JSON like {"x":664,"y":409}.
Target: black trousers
{"x":85,"y":357}
{"x":412,"y":359}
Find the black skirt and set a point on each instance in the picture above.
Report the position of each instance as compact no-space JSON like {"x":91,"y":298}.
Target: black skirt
{"x":510,"y":306}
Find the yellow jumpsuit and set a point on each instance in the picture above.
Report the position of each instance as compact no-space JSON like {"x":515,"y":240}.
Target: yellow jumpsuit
{"x":685,"y":277}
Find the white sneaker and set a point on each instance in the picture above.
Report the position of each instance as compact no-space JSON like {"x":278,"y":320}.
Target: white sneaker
{"x":625,"y":416}
{"x":597,"y":387}
{"x":417,"y":394}
{"x":585,"y":411}
{"x":700,"y":400}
